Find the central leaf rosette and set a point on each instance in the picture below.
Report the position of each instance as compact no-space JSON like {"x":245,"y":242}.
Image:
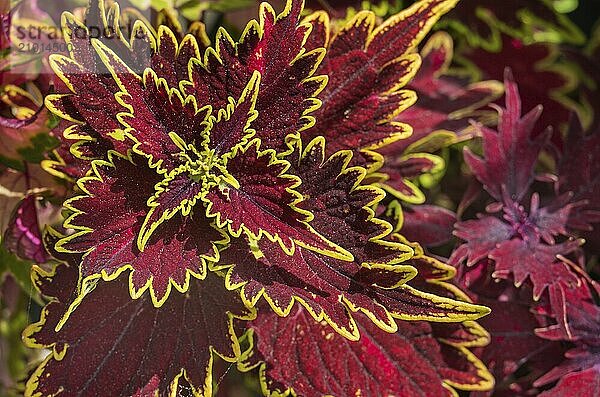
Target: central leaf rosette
{"x":194,"y":161}
{"x":191,"y":175}
{"x":198,"y":157}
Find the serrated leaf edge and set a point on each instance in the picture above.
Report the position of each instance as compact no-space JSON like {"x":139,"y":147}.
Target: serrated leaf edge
{"x":59,"y":354}
{"x":85,"y":282}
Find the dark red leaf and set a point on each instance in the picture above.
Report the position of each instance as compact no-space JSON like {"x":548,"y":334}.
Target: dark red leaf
{"x":110,"y":344}
{"x":175,"y":194}
{"x":169,"y":150}
{"x":549,"y":222}
{"x":402,"y":32}
{"x":521,"y":246}
{"x":328,"y":286}
{"x":288,"y":84}
{"x":516,"y":354}
{"x":108,"y":68}
{"x":444,"y":102}
{"x":332,"y":289}
{"x":265,"y":202}
{"x":443,"y":113}
{"x":92,"y":118}
{"x":481,"y":236}
{"x":108,"y":219}
{"x":428,"y":225}
{"x":340,"y":205}
{"x":18,"y":135}
{"x":579,"y":175}
{"x":164,"y":123}
{"x":400,"y":174}
{"x":63,"y":164}
{"x":522,"y":259}
{"x":155,"y":112}
{"x":20,"y":183}
{"x":513,"y":340}
{"x":302,"y":354}
{"x":581,"y":316}
{"x":368,"y":66}
{"x":583,"y":384}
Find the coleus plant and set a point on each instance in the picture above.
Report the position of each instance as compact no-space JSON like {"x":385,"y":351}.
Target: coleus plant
{"x":223,"y":184}
{"x":525,"y":259}
{"x":521,"y":243}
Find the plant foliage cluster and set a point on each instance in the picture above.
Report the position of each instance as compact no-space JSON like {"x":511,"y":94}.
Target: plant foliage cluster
{"x":336,"y":198}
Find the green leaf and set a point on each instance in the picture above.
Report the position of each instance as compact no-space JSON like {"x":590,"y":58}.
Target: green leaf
{"x":18,"y":268}
{"x":40,"y":144}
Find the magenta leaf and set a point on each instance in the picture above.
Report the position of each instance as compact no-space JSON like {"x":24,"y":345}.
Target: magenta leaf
{"x":509,"y":154}
{"x":481,"y":236}
{"x":23,"y":236}
{"x":523,"y":259}
{"x":582,"y":317}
